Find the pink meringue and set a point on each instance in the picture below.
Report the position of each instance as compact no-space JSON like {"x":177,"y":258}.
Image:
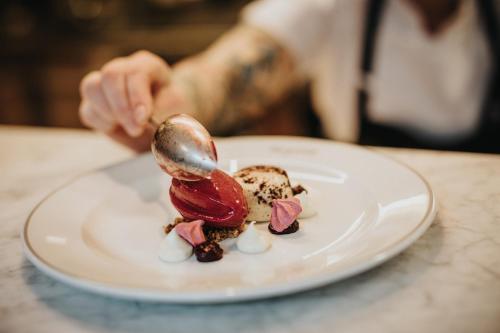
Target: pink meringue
{"x":284,"y":213}
{"x":191,"y":232}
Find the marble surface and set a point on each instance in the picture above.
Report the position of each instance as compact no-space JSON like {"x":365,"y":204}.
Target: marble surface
{"x":448,"y":281}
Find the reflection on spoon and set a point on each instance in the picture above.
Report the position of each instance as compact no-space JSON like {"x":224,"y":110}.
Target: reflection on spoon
{"x":184,"y":149}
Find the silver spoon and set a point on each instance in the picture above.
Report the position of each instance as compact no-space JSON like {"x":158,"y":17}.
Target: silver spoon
{"x":184,"y":149}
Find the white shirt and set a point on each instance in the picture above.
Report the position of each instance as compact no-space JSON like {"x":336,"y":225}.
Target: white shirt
{"x":431,"y":85}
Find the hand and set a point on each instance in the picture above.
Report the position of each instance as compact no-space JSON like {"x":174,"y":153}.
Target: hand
{"x":119,"y":99}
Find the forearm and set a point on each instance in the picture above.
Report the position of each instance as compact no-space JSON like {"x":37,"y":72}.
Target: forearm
{"x":236,"y":79}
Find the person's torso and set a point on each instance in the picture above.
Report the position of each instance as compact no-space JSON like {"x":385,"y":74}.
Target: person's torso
{"x":430,"y":85}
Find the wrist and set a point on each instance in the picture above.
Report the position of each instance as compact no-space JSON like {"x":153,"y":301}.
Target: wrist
{"x":193,"y":83}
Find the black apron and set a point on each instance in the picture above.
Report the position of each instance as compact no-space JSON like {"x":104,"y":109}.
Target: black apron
{"x":487,"y":137}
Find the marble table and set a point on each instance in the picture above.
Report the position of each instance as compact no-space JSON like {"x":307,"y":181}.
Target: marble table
{"x":448,"y":281}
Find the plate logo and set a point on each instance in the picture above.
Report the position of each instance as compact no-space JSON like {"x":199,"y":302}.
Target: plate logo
{"x":294,"y":151}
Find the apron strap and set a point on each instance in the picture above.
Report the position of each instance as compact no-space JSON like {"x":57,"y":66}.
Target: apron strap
{"x":373,"y":15}
{"x":491,"y":105}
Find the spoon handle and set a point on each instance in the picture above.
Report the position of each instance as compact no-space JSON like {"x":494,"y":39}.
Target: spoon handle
{"x":153,"y":122}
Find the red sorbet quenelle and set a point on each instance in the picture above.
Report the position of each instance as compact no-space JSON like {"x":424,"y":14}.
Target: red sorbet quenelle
{"x":219,"y":200}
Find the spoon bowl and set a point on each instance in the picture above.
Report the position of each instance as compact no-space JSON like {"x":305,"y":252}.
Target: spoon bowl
{"x":184,"y":149}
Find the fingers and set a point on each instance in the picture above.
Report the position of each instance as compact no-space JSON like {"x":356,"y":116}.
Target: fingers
{"x":122,"y":92}
{"x":113,"y":85}
{"x":148,"y":72}
{"x":90,"y":90}
{"x":140,"y":97}
{"x":151,"y":65}
{"x":93,"y":118}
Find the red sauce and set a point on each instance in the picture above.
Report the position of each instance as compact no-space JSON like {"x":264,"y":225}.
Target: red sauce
{"x":219,"y":201}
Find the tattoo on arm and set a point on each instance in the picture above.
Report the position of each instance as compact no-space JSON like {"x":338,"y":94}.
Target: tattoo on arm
{"x":237,"y":78}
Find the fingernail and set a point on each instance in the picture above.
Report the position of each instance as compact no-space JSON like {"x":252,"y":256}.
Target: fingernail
{"x":141,"y":114}
{"x":134,"y":130}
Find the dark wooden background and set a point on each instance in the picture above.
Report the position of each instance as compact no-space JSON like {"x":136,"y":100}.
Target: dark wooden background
{"x":48,"y":46}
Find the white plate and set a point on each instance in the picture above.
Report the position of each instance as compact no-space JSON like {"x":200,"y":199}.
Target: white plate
{"x":101,"y":232}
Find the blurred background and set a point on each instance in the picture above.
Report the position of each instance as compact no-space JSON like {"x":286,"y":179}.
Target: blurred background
{"x":48,"y":46}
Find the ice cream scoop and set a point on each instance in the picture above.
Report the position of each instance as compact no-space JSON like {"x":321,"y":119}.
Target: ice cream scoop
{"x":184,"y":149}
{"x":218,"y":200}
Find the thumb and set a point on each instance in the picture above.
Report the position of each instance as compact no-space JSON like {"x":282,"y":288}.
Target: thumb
{"x":140,"y":143}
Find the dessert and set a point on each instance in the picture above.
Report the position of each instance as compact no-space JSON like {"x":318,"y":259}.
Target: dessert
{"x":219,"y":200}
{"x":211,"y":233}
{"x":169,"y":227}
{"x":191,"y":232}
{"x":294,"y":227}
{"x":220,"y":234}
{"x":283,"y":216}
{"x":261,"y":185}
{"x":305,"y":202}
{"x":253,"y":241}
{"x":174,"y":249}
{"x":208,"y":251}
{"x":297,"y":189}
{"x":216,"y":208}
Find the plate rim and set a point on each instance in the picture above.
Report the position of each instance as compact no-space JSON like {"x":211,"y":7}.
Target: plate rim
{"x":246,"y":294}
